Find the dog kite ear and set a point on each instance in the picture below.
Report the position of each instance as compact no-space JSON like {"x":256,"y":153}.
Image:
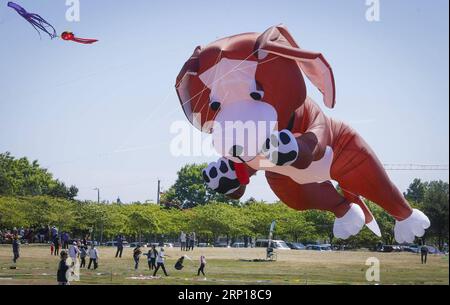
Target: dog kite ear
{"x":183,"y":82}
{"x":277,"y":40}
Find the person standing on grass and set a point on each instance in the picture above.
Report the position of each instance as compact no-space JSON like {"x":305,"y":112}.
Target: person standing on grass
{"x":160,"y":262}
{"x":202,"y":265}
{"x":188,"y":242}
{"x":119,"y":244}
{"x":74,"y":251}
{"x":56,"y":246}
{"x":16,"y":248}
{"x":83,"y":254}
{"x":192,"y":241}
{"x":65,"y":240}
{"x":93,"y":257}
{"x":151,"y":257}
{"x":136,"y":256}
{"x":183,"y":240}
{"x":424,"y":253}
{"x":63,"y":268}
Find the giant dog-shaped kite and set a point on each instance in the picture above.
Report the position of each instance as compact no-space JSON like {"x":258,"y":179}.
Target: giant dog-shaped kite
{"x":258,"y":78}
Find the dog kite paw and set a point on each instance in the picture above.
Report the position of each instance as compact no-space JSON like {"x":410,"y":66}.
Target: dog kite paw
{"x":406,"y":230}
{"x":281,"y":148}
{"x":221,"y":177}
{"x":349,"y":224}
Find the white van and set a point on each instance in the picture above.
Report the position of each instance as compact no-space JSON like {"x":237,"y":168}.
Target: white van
{"x":276,"y":244}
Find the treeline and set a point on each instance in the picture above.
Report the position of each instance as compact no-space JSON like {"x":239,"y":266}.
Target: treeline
{"x":24,"y":178}
{"x":151,"y":222}
{"x":31,"y":197}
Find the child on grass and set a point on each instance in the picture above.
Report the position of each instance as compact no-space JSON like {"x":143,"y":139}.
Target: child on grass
{"x":202,"y":265}
{"x":136,"y":255}
{"x":63,"y":268}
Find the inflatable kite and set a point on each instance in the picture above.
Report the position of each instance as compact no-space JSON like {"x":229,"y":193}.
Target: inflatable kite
{"x":249,"y":92}
{"x":71,"y":37}
{"x":39,"y":23}
{"x":35,"y":20}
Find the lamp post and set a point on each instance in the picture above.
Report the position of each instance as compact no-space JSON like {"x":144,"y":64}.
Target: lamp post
{"x":98,"y":194}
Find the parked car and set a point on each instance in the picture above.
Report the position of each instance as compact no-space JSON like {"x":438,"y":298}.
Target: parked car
{"x":202,"y":245}
{"x":113,"y":243}
{"x":410,"y":248}
{"x":135,"y":244}
{"x":238,"y":245}
{"x":319,"y":247}
{"x":296,"y":246}
{"x":221,"y":244}
{"x":390,"y":248}
{"x":168,"y":245}
{"x":90,"y":242}
{"x":276,"y":244}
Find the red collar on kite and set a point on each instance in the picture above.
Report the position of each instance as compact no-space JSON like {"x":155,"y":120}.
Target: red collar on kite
{"x":70,"y":36}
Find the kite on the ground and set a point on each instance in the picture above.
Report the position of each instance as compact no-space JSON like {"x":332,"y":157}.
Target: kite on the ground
{"x":35,"y":20}
{"x":69,"y":36}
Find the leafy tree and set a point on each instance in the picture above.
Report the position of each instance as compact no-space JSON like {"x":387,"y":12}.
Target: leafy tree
{"x":435,"y":205}
{"x":190,"y":190}
{"x":416,"y":191}
{"x":23,"y":178}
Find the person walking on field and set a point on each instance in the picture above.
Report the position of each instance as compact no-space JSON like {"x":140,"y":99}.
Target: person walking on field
{"x":16,"y":249}
{"x":83,"y":254}
{"x":56,"y":246}
{"x":136,"y":255}
{"x":192,"y":241}
{"x":183,"y":241}
{"x":188,"y":242}
{"x":151,"y":258}
{"x":65,"y":240}
{"x":160,"y":262}
{"x":424,"y":253}
{"x":93,"y":257}
{"x":74,"y":252}
{"x":119,"y":242}
{"x":202,"y":265}
{"x":63,"y":268}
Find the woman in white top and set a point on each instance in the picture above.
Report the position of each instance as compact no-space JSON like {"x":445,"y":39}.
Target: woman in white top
{"x":160,"y":262}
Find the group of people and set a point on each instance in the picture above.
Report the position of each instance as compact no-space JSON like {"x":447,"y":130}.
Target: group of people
{"x":41,"y":234}
{"x":156,"y":260}
{"x":187,"y":241}
{"x":78,"y":253}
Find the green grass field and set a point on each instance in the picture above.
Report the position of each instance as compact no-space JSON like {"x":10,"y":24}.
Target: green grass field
{"x":225,"y":266}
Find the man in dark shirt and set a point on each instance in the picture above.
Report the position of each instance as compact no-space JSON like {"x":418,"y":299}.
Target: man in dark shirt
{"x":423,"y":253}
{"x":62,"y":270}
{"x":16,"y":248}
{"x":119,"y":243}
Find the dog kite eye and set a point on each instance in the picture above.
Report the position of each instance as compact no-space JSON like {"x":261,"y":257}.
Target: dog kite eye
{"x":257,"y":95}
{"x":215,"y":105}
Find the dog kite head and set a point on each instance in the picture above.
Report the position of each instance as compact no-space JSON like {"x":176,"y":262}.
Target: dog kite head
{"x":243,"y":87}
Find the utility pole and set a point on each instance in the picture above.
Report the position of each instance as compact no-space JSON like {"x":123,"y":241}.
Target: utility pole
{"x":98,"y":201}
{"x":159,"y":192}
{"x":98,"y":194}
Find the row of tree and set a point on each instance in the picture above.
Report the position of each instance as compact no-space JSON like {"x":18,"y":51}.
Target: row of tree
{"x":30,"y":197}
{"x":151,"y":222}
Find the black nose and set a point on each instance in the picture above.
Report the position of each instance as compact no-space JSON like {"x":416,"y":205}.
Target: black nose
{"x":236,"y":150}
{"x":215,"y":106}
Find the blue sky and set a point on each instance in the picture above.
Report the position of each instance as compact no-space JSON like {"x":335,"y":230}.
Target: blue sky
{"x":100,"y":115}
